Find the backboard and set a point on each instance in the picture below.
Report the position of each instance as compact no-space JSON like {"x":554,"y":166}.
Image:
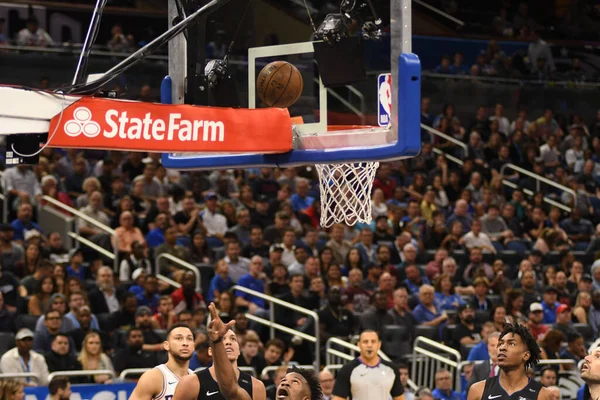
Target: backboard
{"x":318,"y":140}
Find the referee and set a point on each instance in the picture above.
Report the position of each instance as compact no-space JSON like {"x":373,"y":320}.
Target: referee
{"x":368,"y":377}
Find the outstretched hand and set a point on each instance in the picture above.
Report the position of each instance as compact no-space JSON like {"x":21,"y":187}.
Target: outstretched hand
{"x":217,"y":328}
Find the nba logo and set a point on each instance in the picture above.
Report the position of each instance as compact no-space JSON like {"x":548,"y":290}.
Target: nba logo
{"x":384,"y":94}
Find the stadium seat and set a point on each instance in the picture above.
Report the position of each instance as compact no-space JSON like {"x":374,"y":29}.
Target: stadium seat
{"x":430,"y":332}
{"x":395,"y":342}
{"x":584,"y":330}
{"x":26,"y":321}
{"x":104,"y":320}
{"x":482,"y":316}
{"x":552,"y":257}
{"x":447,"y":332}
{"x":7,"y":341}
{"x":495,"y":299}
{"x":465,"y":349}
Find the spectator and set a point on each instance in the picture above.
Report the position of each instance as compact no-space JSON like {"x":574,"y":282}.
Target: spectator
{"x":12,"y":390}
{"x":7,"y":318}
{"x":327,"y":382}
{"x":127,"y":233}
{"x":104,"y":298}
{"x":254,"y":280}
{"x":214,"y":222}
{"x":201,"y":357}
{"x":186,"y":297}
{"x":76,"y":300}
{"x":61,"y":357}
{"x":137,"y":259}
{"x":84,"y":319}
{"x":134,"y":356}
{"x":548,"y":377}
{"x":550,"y":305}
{"x":480,"y":300}
{"x":59,"y":389}
{"x":39,"y":302}
{"x":426,"y":312}
{"x":238,"y":266}
{"x":34,"y":36}
{"x":563,"y":320}
{"x":42,"y":342}
{"x":489,"y":367}
{"x":23,"y":359}
{"x":575,"y":350}
{"x":465,"y":332}
{"x":337,"y":243}
{"x":480,"y":351}
{"x":290,"y":318}
{"x":24,"y":222}
{"x":443,"y":386}
{"x":242,"y":229}
{"x":354,"y":297}
{"x":249,"y":356}
{"x":335,"y":321}
{"x":221,"y":282}
{"x":170,"y":246}
{"x":256,"y":246}
{"x":149,"y":297}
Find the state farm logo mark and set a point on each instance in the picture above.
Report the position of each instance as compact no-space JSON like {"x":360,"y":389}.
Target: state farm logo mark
{"x":82,"y":124}
{"x":136,"y":126}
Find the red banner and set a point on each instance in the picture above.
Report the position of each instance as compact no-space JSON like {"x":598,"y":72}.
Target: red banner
{"x":94,"y":123}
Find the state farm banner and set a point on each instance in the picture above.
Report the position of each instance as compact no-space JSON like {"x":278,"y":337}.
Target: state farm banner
{"x":94,"y":123}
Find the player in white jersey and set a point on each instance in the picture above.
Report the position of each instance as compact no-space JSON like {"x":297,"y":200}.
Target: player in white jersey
{"x":160,"y":382}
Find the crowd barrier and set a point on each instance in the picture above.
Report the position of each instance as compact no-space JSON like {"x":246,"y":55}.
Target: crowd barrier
{"x":116,"y":391}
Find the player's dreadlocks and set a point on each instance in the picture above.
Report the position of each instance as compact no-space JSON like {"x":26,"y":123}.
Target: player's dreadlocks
{"x":528,"y":339}
{"x":313,"y":382}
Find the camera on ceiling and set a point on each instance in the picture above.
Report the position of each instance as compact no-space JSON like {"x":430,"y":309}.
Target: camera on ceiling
{"x":337,"y":26}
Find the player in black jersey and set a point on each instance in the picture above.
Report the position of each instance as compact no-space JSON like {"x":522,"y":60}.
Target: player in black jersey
{"x":517,"y":351}
{"x":590,"y":373}
{"x":212,"y":383}
{"x":298,"y":384}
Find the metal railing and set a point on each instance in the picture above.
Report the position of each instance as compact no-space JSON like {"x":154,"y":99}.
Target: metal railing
{"x":273,"y":325}
{"x":449,"y":138}
{"x":21,"y":375}
{"x":181,"y":263}
{"x":505,"y":182}
{"x":82,"y":373}
{"x":92,"y":245}
{"x":131,"y":371}
{"x":440,"y":12}
{"x":346,"y":103}
{"x":539,"y":178}
{"x":170,"y":281}
{"x":330,"y":352}
{"x":78,"y":214}
{"x":428,"y":359}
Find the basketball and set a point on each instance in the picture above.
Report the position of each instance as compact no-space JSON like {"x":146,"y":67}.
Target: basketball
{"x":279,"y":84}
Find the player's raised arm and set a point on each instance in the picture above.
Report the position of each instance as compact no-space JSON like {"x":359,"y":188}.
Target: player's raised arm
{"x":187,"y":389}
{"x":544,"y":394}
{"x":225,"y":374}
{"x":149,"y":386}
{"x":476,"y":391}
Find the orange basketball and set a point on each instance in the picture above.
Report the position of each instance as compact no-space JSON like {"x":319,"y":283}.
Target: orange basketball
{"x":279,"y":84}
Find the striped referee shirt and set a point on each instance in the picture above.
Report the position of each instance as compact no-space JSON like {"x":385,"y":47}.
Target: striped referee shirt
{"x":358,"y":381}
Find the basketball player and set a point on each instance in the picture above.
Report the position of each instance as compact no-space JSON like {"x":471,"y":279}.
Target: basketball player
{"x":590,"y":373}
{"x":225,"y":381}
{"x":517,"y":351}
{"x":160,"y":382}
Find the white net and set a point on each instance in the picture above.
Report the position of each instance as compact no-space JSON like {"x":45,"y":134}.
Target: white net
{"x":346,"y":192}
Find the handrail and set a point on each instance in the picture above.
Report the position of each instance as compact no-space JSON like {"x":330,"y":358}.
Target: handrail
{"x":81,"y":373}
{"x":448,"y":138}
{"x":92,"y":221}
{"x":345,"y":102}
{"x":93,"y":245}
{"x":17,"y":375}
{"x":348,"y":345}
{"x":181,"y":263}
{"x":504,"y":181}
{"x":429,"y":74}
{"x":274,"y":300}
{"x":361,"y":97}
{"x":440,"y":12}
{"x":437,"y":356}
{"x":539,"y":178}
{"x":130,"y":371}
{"x":75,"y":51}
{"x":170,"y":281}
{"x":280,"y":327}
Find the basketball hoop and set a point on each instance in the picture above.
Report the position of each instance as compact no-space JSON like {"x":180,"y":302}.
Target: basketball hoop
{"x":346,"y":192}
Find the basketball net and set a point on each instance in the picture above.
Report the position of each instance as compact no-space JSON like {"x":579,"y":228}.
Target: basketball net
{"x":346,"y":192}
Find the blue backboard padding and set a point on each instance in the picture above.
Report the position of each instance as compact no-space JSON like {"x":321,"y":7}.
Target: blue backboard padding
{"x":407,"y":145}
